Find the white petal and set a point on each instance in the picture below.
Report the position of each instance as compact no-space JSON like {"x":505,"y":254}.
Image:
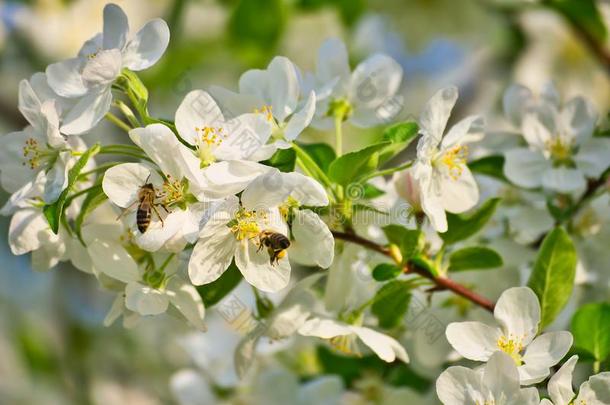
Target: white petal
{"x":548,"y":349}
{"x":145,"y":300}
{"x":111,"y":258}
{"x":122,"y":183}
{"x":25,"y":231}
{"x":431,"y":203}
{"x":536,"y":130}
{"x":29,"y":104}
{"x":518,"y":311}
{"x":234,"y":104}
{"x":187,"y":300}
{"x":65,"y":78}
{"x":85,"y":114}
{"x":103,"y":68}
{"x":461,"y":194}
{"x":595,"y":391}
{"x":325,"y":390}
{"x":332,"y":61}
{"x":116,"y":27}
{"x":470,"y":129}
{"x":516,"y":100}
{"x":473,"y":340}
{"x":579,"y":118}
{"x":533,"y":374}
{"x":14,"y":170}
{"x":374,"y":81}
{"x":500,"y":376}
{"x":388,"y":349}
{"x":57,"y":177}
{"x":593,"y":157}
{"x":255,"y":82}
{"x":313,"y":243}
{"x":324,"y":328}
{"x":564,"y":180}
{"x":460,"y":386}
{"x":246,"y":134}
{"x":284,"y":88}
{"x":191,"y":388}
{"x":523,"y":167}
{"x":197,"y":110}
{"x":433,"y":119}
{"x":160,"y":232}
{"x":230,"y":177}
{"x":301,"y":119}
{"x":147,"y":47}
{"x":560,"y":384}
{"x":257,"y":269}
{"x":115,"y":311}
{"x":212,"y":255}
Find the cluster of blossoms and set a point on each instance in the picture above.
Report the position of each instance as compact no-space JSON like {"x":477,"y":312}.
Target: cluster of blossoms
{"x":197,"y":204}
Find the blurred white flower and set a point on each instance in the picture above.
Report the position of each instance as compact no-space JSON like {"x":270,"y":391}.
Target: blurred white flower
{"x":445,"y":182}
{"x":89,"y":76}
{"x":596,"y":390}
{"x":518,"y":313}
{"x":562,"y":151}
{"x":496,"y":383}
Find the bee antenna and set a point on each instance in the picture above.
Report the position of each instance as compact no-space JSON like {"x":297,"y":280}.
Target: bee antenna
{"x":147,"y":178}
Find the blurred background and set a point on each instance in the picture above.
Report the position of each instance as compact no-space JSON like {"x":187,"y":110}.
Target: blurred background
{"x":53,"y":346}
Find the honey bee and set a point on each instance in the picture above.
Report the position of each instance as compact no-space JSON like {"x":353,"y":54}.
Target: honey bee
{"x":146,"y":204}
{"x":276,"y":245}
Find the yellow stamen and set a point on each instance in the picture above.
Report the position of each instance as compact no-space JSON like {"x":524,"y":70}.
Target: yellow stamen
{"x":560,"y":150}
{"x":173,"y":190}
{"x":455,"y":159}
{"x":208,"y":138}
{"x":287,"y":206}
{"x":267,"y":111}
{"x":345,"y":344}
{"x":246,"y":224}
{"x":512,"y":346}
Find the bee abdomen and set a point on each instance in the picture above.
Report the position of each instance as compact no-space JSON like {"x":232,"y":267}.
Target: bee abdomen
{"x":280,"y":241}
{"x":143,"y":219}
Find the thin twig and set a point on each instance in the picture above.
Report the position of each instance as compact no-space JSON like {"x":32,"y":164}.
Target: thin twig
{"x":442,"y":282}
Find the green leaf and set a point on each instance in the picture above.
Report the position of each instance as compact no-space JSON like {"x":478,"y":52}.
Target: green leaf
{"x":391,"y":303}
{"x":584,"y":14}
{"x":492,"y":166}
{"x":370,"y":192}
{"x":321,"y":153}
{"x":553,"y":276}
{"x":474,"y":258}
{"x":352,"y":166}
{"x":400,"y":135}
{"x":54,"y":212}
{"x":394,"y":233}
{"x":591,"y":329}
{"x":258,"y":22}
{"x":386,"y":271}
{"x":412,"y":243}
{"x":283,"y":160}
{"x":93,"y":199}
{"x":462,"y":226}
{"x":212,"y":293}
{"x":424,"y":263}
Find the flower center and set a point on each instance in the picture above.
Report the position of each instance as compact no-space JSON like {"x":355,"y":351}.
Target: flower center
{"x":34,"y":156}
{"x":174,"y":190}
{"x":287,"y":207}
{"x":267,"y":111}
{"x":560,"y":150}
{"x":208,"y":138}
{"x":455,"y":159}
{"x":511,"y":346}
{"x":345,"y":344}
{"x":245,"y":225}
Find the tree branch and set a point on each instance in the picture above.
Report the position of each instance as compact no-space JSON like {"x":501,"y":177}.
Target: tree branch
{"x":442,"y":282}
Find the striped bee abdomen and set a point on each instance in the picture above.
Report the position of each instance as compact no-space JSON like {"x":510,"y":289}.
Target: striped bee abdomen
{"x":143,"y":217}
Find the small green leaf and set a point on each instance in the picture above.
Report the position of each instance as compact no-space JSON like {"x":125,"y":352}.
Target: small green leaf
{"x":321,"y":153}
{"x":370,"y":192}
{"x":93,"y":199}
{"x":400,"y":135}
{"x":492,"y":166}
{"x":391,"y":303}
{"x":394,"y":233}
{"x":462,"y":226}
{"x":54,"y":212}
{"x":352,"y":166}
{"x":474,"y":258}
{"x":386,"y":271}
{"x":553,"y":276}
{"x":412,"y":243}
{"x":591,"y":329}
{"x":212,"y":293}
{"x":283,"y":160}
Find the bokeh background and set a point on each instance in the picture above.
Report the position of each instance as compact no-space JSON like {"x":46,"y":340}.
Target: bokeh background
{"x":53,"y":346}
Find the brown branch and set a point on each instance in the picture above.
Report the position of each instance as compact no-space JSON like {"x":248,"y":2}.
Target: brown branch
{"x":441,"y":282}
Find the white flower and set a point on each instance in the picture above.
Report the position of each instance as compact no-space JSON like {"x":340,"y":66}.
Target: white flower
{"x":40,"y":146}
{"x":497,"y":383}
{"x":237,"y":229}
{"x":445,"y":182}
{"x":561,"y":151}
{"x":596,"y":390}
{"x":89,"y":76}
{"x":226,"y":150}
{"x":518,"y":313}
{"x":341,"y":335}
{"x":368,"y":93}
{"x":276,"y":93}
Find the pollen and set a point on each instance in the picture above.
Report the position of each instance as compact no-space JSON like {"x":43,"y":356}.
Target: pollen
{"x":246,"y":224}
{"x":559,"y":149}
{"x":32,"y":154}
{"x":345,"y":344}
{"x":455,"y":159}
{"x":208,"y":138}
{"x":512,"y":346}
{"x":267,"y":111}
{"x":287,"y":207}
{"x":173,"y":190}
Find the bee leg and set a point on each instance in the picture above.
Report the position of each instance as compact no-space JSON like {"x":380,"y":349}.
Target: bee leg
{"x":125,"y":210}
{"x":158,"y":215}
{"x":164,"y":208}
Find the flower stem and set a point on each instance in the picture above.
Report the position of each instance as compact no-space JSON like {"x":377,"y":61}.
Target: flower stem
{"x":339,"y":134}
{"x":116,"y":121}
{"x":386,"y":172}
{"x":440,"y":281}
